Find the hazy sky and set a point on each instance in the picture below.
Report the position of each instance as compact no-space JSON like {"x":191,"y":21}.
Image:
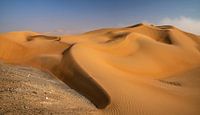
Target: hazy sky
{"x":74,"y":16}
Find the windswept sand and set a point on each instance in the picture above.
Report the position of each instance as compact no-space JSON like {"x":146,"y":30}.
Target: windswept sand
{"x":136,"y":70}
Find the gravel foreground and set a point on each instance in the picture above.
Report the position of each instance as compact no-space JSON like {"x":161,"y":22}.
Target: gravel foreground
{"x":26,"y":90}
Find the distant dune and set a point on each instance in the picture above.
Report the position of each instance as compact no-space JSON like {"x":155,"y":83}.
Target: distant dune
{"x":137,"y":70}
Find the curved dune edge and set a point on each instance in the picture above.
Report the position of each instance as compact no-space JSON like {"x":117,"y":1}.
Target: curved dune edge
{"x":73,"y":75}
{"x":136,"y":95}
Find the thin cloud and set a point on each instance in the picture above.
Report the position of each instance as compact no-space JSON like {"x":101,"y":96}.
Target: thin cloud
{"x":185,"y":23}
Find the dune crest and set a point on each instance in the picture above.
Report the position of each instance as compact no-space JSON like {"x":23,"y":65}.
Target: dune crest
{"x":141,"y":69}
{"x":72,"y":74}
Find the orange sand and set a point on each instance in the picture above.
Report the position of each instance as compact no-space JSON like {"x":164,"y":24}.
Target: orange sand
{"x":141,"y":69}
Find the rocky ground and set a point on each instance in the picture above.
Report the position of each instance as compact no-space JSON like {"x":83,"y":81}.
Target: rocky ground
{"x":26,"y":90}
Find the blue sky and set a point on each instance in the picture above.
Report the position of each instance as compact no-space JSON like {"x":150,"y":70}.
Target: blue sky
{"x":75,"y":16}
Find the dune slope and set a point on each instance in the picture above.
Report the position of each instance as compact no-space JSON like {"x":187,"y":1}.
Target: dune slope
{"x":141,"y":69}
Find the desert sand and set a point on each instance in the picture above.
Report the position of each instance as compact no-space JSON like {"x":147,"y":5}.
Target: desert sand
{"x":137,"y":70}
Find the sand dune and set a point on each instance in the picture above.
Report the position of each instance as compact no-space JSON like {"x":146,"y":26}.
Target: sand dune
{"x":141,"y":69}
{"x":23,"y":50}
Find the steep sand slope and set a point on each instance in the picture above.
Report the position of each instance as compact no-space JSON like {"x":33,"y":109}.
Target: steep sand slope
{"x":141,"y":69}
{"x":72,"y":74}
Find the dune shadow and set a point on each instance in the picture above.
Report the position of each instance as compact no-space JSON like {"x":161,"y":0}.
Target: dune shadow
{"x":166,"y":40}
{"x":116,"y":36}
{"x":174,"y":83}
{"x":136,"y":25}
{"x":31,"y":38}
